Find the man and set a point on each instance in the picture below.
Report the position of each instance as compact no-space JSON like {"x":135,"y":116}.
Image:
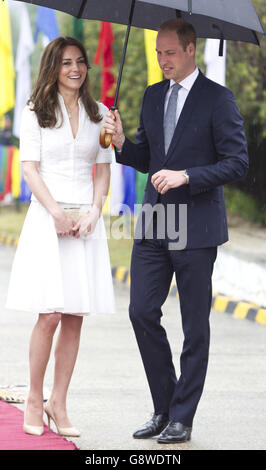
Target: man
{"x":191,"y":141}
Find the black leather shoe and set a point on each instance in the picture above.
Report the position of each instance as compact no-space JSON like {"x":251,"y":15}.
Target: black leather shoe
{"x":175,"y":432}
{"x":153,"y":427}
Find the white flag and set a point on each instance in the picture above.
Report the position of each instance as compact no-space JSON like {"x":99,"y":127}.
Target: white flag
{"x":117,"y":190}
{"x":216,"y":65}
{"x":24,"y":50}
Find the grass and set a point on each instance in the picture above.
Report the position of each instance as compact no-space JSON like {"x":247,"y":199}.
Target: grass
{"x":11,"y":220}
{"x":119,"y":232}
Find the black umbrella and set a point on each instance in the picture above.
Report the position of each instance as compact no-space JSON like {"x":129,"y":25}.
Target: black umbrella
{"x":235,"y":20}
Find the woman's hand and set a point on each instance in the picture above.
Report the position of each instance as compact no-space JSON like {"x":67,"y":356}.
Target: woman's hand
{"x":87,"y":223}
{"x":63,"y":223}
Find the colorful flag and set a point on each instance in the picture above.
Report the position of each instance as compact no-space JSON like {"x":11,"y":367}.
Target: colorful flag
{"x":15,"y":174}
{"x":8,"y":182}
{"x":3,"y":170}
{"x":117,"y":188}
{"x":7,"y":93}
{"x":215,"y":65}
{"x":154,"y":75}
{"x":24,"y":50}
{"x":78,"y":29}
{"x":105,"y":52}
{"x":46,"y":23}
{"x":25,"y":192}
{"x":2,"y":176}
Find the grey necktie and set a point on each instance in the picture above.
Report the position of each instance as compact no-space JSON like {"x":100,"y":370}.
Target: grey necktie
{"x":170,"y":117}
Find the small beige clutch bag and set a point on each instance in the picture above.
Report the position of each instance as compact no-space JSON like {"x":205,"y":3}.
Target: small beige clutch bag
{"x":75,"y":214}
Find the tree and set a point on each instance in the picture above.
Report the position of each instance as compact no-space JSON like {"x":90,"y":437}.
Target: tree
{"x":246,"y":76}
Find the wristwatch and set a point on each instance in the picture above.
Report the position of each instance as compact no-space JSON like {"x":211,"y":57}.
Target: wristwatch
{"x":186,"y":176}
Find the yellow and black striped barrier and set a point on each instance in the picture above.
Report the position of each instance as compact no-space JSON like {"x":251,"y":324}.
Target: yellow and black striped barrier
{"x":220,"y":302}
{"x":239,"y":309}
{"x":7,"y":239}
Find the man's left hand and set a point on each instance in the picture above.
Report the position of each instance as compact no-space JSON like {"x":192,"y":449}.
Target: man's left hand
{"x":164,"y":180}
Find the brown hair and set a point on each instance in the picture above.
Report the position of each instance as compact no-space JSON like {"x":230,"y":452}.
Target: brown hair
{"x":184,"y":30}
{"x":44,"y":99}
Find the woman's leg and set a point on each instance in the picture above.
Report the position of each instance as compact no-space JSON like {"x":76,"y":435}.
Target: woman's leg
{"x":39,"y":353}
{"x":66,"y":351}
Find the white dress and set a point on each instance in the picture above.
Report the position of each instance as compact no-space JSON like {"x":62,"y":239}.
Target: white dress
{"x":62,"y":274}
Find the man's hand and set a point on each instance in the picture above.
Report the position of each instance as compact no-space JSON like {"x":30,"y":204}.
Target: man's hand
{"x":113,"y":125}
{"x":167,"y":179}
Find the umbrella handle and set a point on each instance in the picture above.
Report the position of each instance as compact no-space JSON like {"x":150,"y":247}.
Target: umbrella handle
{"x":105,"y":138}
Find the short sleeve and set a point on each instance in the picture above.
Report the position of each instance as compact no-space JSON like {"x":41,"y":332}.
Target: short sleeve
{"x":30,"y":136}
{"x":104,"y":155}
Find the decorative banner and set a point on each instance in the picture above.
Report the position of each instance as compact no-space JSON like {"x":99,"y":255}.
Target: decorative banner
{"x":12,"y":183}
{"x":6,"y":159}
{"x":7,"y":93}
{"x":154,"y":75}
{"x":46,"y":23}
{"x":3,"y":170}
{"x":24,"y":50}
{"x":78,"y":29}
{"x":104,"y":52}
{"x":215,"y":65}
{"x":16,"y":174}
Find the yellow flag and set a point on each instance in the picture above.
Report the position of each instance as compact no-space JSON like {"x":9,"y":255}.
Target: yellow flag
{"x":7,"y":94}
{"x":153,"y":70}
{"x":15,"y":173}
{"x":106,"y":206}
{"x":154,"y":75}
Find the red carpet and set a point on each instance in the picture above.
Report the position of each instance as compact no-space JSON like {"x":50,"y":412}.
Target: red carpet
{"x":12,"y":436}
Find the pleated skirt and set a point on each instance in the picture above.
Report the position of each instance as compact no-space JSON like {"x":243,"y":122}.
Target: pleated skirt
{"x":60,"y":274}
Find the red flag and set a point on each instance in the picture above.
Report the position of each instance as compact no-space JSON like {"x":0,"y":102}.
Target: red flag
{"x":105,"y":51}
{"x":8,"y":182}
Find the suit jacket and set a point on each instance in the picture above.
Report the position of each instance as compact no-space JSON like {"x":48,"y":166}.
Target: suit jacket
{"x":208,"y":141}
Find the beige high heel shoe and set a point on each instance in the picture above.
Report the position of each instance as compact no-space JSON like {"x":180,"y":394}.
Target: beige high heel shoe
{"x":30,"y":429}
{"x":68,"y":432}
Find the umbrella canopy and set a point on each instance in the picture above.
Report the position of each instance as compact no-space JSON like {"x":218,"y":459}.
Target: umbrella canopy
{"x":234,"y":20}
{"x":218,"y":19}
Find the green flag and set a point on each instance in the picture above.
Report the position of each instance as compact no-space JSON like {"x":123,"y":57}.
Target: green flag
{"x":78,"y":29}
{"x":141,"y":180}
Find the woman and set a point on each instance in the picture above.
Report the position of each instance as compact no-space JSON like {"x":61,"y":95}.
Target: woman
{"x":62,"y":260}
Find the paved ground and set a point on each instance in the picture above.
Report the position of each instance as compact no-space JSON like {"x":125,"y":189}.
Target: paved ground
{"x":109,"y":397}
{"x":240,"y":268}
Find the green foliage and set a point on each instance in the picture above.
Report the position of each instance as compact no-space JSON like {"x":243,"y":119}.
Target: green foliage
{"x":240,"y":203}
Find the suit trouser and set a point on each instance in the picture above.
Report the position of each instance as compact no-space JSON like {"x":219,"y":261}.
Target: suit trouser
{"x":152,"y":268}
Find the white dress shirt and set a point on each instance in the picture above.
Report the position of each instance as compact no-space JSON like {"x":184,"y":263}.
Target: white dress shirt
{"x":66,"y":163}
{"x":186,"y":84}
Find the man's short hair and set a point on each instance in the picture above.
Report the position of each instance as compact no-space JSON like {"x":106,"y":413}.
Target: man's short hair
{"x":184,"y":30}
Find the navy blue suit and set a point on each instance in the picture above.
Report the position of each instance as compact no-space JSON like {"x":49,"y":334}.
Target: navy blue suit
{"x":210,"y":143}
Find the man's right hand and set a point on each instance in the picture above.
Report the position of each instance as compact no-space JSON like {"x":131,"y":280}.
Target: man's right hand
{"x":113,"y":125}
